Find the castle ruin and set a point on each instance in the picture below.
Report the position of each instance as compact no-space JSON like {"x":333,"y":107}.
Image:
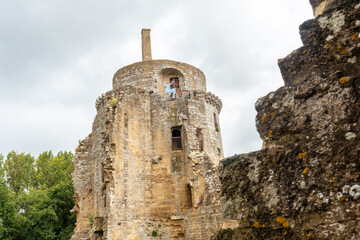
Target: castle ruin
{"x":148,"y":169}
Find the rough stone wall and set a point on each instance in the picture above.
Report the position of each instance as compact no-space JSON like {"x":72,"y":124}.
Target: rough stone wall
{"x":129,"y":183}
{"x":148,"y":75}
{"x":304,"y":183}
{"x":82,"y":165}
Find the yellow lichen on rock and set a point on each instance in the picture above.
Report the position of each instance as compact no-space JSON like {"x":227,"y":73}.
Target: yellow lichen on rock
{"x":344,"y":80}
{"x":281,"y":219}
{"x":270,"y":133}
{"x":302,"y":155}
{"x":263,"y":117}
{"x":355,"y":37}
{"x":341,"y":49}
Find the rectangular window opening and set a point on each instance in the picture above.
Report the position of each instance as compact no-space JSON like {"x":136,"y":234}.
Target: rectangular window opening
{"x":185,"y":94}
{"x":176,"y":138}
{"x":175,"y":84}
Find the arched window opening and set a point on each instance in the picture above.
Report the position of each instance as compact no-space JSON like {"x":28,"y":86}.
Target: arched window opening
{"x":199,"y":136}
{"x":176,"y":139}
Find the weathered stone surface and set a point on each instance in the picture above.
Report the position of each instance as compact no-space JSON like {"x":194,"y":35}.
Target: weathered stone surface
{"x":129,"y":182}
{"x":304,"y":183}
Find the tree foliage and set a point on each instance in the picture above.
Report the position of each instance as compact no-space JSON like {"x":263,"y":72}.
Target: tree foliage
{"x":36,"y":196}
{"x":20,"y":171}
{"x":7,"y":211}
{"x":1,"y":167}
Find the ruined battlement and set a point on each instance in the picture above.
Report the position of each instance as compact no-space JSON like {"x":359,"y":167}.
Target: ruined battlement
{"x":214,"y":100}
{"x":113,"y":97}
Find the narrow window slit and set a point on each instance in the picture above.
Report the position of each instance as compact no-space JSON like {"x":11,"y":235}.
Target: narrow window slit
{"x":199,"y":136}
{"x":188,"y":196}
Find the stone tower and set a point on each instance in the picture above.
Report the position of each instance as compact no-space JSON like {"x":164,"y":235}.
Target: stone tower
{"x":148,"y":169}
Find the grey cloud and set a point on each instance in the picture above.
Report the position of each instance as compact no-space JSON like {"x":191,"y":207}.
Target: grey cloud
{"x":57,"y":57}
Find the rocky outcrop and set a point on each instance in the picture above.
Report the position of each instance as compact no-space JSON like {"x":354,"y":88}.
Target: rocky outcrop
{"x":304,"y":183}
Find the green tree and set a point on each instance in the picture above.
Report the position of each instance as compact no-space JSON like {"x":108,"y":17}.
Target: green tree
{"x":36,"y":196}
{"x":46,"y":208}
{"x":2,"y":167}
{"x":52,"y":170}
{"x":61,"y":193}
{"x":20,"y":171}
{"x":7,"y":211}
{"x":37,"y":218}
{"x":43,"y":169}
{"x":62,"y":201}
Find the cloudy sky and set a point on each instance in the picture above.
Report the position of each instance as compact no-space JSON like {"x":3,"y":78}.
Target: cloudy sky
{"x":57,"y":57}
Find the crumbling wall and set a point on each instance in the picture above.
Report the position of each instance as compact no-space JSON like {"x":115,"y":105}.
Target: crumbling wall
{"x":304,"y":183}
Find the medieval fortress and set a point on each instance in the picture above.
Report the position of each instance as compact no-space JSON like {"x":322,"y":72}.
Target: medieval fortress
{"x":151,"y":167}
{"x":148,"y":170}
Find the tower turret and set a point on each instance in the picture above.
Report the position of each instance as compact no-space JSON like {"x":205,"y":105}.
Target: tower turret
{"x":149,"y":166}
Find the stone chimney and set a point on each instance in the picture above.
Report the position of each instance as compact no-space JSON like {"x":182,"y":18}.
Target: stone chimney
{"x":146,"y":44}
